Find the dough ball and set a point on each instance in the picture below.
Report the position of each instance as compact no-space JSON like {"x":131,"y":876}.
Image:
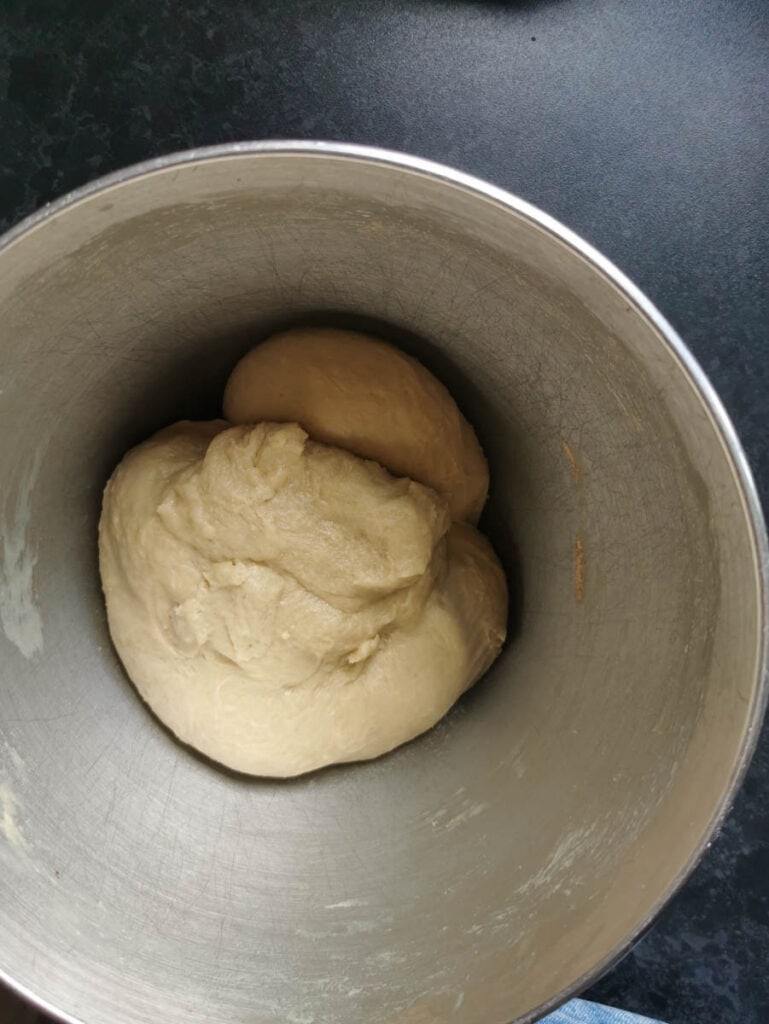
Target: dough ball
{"x":282,"y":605}
{"x":369,"y":398}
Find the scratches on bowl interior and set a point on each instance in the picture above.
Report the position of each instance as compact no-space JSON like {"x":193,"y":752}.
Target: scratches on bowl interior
{"x":575,"y":467}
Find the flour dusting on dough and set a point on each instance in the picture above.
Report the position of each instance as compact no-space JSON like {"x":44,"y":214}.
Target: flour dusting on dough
{"x":19,"y":615}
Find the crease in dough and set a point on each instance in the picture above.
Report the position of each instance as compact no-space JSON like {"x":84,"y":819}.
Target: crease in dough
{"x":368,"y":397}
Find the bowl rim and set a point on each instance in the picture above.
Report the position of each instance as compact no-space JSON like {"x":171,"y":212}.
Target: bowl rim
{"x":687,"y":363}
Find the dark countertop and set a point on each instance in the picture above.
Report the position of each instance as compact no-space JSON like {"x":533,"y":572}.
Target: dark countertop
{"x":642,"y":124}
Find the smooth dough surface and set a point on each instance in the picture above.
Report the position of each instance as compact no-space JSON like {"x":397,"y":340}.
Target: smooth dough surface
{"x":282,"y":604}
{"x":351,"y":390}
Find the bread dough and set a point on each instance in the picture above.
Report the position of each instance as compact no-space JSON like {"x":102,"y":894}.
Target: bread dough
{"x":369,"y":398}
{"x":282,"y":604}
{"x":281,"y":600}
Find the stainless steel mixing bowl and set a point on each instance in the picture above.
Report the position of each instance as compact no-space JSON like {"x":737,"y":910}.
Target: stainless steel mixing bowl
{"x":491,"y":868}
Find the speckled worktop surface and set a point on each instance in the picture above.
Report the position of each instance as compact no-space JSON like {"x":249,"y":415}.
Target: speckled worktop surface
{"x":643,"y":124}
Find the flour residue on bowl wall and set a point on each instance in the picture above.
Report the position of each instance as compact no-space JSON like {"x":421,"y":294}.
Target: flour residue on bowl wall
{"x":19,"y":614}
{"x":9,"y":826}
{"x":569,"y":847}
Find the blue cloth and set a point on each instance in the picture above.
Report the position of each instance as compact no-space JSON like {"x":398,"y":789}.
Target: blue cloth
{"x":578,"y":1011}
